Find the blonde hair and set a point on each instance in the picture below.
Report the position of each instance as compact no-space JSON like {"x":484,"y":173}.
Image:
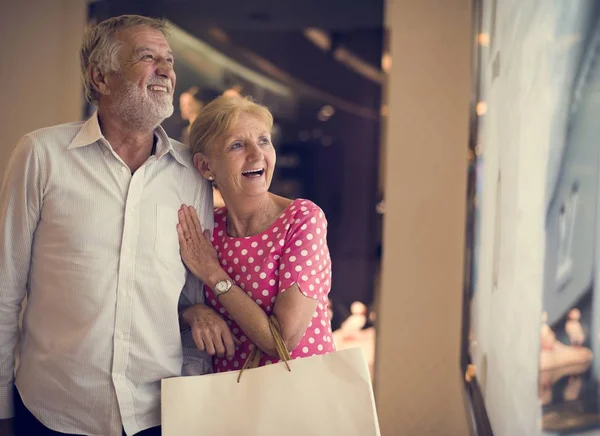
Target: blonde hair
{"x":219,"y":116}
{"x":101,"y":47}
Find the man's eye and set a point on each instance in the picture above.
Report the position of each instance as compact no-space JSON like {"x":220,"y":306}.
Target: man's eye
{"x":148,"y":57}
{"x":171,"y":60}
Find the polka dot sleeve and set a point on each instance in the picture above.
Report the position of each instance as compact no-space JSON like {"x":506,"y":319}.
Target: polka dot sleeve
{"x":305,"y":259}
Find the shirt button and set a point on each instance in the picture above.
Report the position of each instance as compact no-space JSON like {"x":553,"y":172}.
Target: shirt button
{"x":123,"y":169}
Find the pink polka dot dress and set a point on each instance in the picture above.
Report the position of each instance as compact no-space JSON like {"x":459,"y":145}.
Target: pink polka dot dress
{"x":293,"y":250}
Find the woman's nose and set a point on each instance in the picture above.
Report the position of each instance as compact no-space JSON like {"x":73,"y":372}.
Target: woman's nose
{"x":254,"y":151}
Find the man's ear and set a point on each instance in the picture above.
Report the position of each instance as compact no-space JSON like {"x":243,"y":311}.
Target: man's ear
{"x":99,"y":80}
{"x":203,"y":166}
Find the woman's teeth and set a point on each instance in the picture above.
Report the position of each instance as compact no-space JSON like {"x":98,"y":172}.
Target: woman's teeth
{"x":253,"y":173}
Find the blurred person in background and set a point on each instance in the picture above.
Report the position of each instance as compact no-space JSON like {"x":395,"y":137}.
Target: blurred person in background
{"x":191,"y":103}
{"x":189,"y":108}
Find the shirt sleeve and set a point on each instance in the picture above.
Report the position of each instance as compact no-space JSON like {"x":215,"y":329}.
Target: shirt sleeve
{"x":20,"y":207}
{"x":305,"y":260}
{"x":205,"y":207}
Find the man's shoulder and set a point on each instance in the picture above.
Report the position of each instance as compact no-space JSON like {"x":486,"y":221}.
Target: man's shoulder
{"x":184,"y":150}
{"x":55,"y":135}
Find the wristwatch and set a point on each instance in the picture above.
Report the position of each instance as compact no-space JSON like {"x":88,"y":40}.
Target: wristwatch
{"x":222,"y":287}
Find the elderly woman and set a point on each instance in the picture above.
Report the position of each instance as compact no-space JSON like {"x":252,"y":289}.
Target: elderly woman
{"x":269,"y":255}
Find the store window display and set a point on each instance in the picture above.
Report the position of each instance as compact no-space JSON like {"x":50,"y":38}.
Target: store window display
{"x":533,"y":229}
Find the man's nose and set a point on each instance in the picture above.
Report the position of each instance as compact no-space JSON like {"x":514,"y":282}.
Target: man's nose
{"x":164,"y":68}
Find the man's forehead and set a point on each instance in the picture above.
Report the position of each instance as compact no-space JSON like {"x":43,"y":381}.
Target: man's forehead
{"x":140,"y":37}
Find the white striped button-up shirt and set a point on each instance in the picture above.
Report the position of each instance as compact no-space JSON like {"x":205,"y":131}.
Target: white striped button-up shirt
{"x":95,"y":249}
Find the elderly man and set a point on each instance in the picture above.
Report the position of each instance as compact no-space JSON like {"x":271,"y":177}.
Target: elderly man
{"x":88,"y":215}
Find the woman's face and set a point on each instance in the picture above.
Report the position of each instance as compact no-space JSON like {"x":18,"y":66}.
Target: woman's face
{"x":242,"y":161}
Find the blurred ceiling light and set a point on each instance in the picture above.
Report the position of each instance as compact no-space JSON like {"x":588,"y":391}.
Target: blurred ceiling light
{"x":204,"y":59}
{"x":218,"y":34}
{"x":275,"y":71}
{"x":322,"y":40}
{"x":386,"y":62}
{"x":358,"y":65}
{"x":481,"y":108}
{"x":483,"y":39}
{"x":319,"y":38}
{"x":326,"y":112}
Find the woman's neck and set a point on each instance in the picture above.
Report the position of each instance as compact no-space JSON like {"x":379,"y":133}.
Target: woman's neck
{"x":251,"y":216}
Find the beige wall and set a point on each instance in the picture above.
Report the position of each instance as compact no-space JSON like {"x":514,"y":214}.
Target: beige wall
{"x":418,"y":382}
{"x":39,"y":70}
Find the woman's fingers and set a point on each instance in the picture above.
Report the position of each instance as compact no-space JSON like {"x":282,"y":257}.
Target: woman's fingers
{"x":189,"y":221}
{"x":198,"y":340}
{"x":183,"y":223}
{"x":181,"y":237}
{"x":195,"y":220}
{"x":219,"y":346}
{"x":210,"y":347}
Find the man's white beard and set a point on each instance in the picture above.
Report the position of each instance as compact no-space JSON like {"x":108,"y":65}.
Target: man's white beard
{"x":139,"y":109}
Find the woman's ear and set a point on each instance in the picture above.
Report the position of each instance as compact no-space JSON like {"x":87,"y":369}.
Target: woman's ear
{"x":202,"y":165}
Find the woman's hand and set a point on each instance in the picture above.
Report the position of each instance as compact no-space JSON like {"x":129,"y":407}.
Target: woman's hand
{"x":195,"y":247}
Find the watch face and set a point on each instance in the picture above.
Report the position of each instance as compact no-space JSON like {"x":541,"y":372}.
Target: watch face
{"x":222,"y":286}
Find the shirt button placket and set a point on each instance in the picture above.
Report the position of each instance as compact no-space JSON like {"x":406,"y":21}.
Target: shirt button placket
{"x":126,"y":281}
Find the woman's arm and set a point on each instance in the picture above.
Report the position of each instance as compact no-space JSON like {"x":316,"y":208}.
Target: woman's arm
{"x":293,"y":312}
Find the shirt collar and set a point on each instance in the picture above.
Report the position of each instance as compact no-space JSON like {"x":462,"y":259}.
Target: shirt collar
{"x":90,"y":133}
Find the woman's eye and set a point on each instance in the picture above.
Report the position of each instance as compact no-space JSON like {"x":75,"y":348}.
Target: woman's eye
{"x":265,"y":141}
{"x":236,"y":145}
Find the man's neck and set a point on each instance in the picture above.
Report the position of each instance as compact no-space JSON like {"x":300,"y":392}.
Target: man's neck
{"x":122,"y":134}
{"x":132,"y":143}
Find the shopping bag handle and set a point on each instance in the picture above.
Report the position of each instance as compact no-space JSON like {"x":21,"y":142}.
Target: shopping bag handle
{"x":255,"y":355}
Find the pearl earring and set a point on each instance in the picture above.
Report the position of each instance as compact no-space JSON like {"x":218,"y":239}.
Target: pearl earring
{"x":211,"y":178}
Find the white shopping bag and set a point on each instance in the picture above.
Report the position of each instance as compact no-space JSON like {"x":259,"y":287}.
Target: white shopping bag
{"x":325,"y":395}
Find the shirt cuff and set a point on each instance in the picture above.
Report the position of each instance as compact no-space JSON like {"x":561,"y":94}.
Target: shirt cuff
{"x":6,"y":402}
